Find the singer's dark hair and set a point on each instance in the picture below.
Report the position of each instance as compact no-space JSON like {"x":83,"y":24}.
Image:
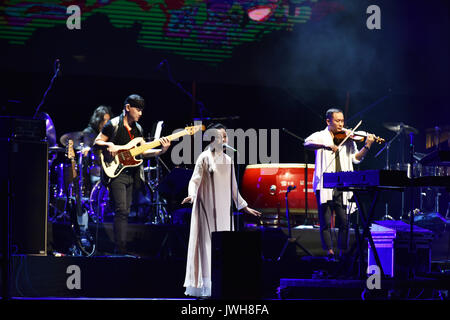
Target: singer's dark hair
{"x":216,"y":126}
{"x":97,"y":116}
{"x":329,"y":113}
{"x":135,"y":101}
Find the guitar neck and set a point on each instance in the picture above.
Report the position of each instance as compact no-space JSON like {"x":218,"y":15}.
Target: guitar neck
{"x":146,"y":146}
{"x":74,"y":169}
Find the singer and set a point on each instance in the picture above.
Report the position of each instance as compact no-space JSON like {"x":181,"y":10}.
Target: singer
{"x":330,"y":159}
{"x":210,"y":192}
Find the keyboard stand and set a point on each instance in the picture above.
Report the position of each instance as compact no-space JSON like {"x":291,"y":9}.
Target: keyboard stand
{"x":366,"y":219}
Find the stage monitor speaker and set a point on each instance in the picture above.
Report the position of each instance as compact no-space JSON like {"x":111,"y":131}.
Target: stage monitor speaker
{"x":25,"y":176}
{"x":392,"y":242}
{"x":236,"y":265}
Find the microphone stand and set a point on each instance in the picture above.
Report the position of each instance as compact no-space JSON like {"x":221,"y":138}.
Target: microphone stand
{"x":231,"y":191}
{"x":231,"y":203}
{"x":305,"y":153}
{"x":56,"y":67}
{"x":411,"y":222}
{"x":388,"y":167}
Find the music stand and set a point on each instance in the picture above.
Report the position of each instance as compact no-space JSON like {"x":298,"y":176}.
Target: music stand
{"x":290,"y":240}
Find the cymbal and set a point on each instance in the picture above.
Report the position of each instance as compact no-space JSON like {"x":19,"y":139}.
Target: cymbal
{"x":76,"y":137}
{"x":56,"y":149}
{"x":49,"y":128}
{"x":398,"y":126}
{"x":89,"y":138}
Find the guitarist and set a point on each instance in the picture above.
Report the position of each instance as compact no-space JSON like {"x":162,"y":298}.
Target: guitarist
{"x":117,"y":132}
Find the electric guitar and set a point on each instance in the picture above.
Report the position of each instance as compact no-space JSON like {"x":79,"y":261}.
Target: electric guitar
{"x":71,"y":156}
{"x":126,"y":156}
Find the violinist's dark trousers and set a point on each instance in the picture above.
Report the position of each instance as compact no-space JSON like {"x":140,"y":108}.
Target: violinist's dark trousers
{"x":325,"y":211}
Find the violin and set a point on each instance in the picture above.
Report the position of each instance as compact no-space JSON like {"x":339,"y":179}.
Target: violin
{"x":356,"y":136}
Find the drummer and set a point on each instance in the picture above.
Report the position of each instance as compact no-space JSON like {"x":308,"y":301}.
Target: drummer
{"x":102,"y":114}
{"x":98,"y":120}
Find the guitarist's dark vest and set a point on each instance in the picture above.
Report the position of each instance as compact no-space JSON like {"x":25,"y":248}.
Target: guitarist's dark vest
{"x":117,"y":122}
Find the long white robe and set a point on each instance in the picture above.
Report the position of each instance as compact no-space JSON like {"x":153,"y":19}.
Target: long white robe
{"x":210,"y":188}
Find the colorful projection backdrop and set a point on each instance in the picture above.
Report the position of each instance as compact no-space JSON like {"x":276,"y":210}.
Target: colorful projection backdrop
{"x":206,"y":31}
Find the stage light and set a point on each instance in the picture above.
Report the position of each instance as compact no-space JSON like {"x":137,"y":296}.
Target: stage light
{"x":263,"y":12}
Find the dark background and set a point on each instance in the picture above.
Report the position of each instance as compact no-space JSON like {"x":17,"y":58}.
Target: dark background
{"x":287,"y":79}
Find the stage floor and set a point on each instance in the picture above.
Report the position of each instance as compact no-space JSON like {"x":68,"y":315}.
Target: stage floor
{"x":158,"y":273}
{"x":116,"y":278}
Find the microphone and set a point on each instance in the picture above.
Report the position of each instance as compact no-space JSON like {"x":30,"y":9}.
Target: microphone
{"x":290,"y":188}
{"x":273,"y":189}
{"x":229,"y":147}
{"x":58,"y":66}
{"x":160,"y":64}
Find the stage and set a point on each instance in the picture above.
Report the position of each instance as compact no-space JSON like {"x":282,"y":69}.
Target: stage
{"x":157,"y":270}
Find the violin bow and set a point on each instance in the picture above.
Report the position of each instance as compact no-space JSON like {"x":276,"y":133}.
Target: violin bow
{"x":340,"y":147}
{"x":351,"y":133}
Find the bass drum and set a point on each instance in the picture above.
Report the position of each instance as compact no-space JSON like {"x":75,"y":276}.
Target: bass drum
{"x":60,"y":177}
{"x":101,"y":209}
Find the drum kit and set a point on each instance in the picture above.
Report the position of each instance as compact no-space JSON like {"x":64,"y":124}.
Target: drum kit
{"x":148,"y":207}
{"x":422,"y":164}
{"x":435,"y":139}
{"x":94,"y":193}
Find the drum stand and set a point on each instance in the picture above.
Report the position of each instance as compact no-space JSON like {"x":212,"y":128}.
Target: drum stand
{"x":387,"y":167}
{"x":159,"y":213}
{"x":61,"y":213}
{"x":84,"y":243}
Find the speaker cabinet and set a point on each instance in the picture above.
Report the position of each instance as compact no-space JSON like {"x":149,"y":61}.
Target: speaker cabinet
{"x":24,"y":175}
{"x":236,"y":265}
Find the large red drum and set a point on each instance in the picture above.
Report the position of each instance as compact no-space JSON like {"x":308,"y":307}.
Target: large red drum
{"x":264,"y":187}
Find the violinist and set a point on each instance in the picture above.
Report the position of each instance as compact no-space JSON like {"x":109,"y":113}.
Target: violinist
{"x":334,"y":155}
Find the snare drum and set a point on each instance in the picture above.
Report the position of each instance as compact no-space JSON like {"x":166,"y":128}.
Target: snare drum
{"x":94,"y":168}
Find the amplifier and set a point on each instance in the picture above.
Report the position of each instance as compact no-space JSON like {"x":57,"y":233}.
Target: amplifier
{"x":24,"y":181}
{"x":22,"y":128}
